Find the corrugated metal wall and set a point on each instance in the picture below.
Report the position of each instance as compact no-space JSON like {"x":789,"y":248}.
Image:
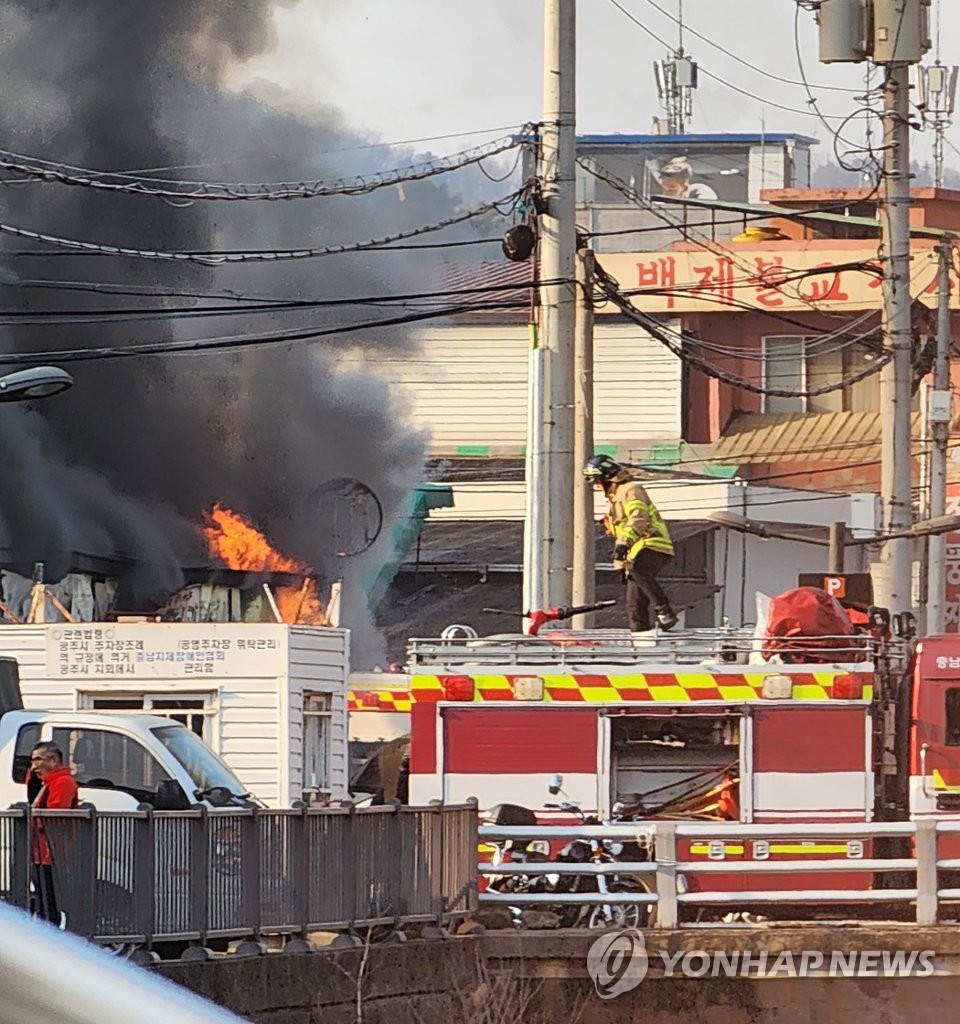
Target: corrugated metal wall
{"x":319,"y":663}
{"x":468,"y":386}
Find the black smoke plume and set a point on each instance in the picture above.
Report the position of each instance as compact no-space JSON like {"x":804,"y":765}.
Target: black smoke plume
{"x":125,"y":462}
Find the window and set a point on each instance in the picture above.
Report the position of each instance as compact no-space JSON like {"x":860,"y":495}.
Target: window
{"x":194,"y":710}
{"x":952,"y":717}
{"x":317,"y":716}
{"x":110,"y":760}
{"x":27,"y":738}
{"x":807,"y":362}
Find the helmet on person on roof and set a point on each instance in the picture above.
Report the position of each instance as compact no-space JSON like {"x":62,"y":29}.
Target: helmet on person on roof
{"x":601,"y":468}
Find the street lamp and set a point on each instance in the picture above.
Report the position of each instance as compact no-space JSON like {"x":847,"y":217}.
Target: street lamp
{"x":35,"y":382}
{"x":925,"y":528}
{"x":838,"y":541}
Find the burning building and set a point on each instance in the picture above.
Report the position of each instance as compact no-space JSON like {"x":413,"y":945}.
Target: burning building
{"x":108,"y":485}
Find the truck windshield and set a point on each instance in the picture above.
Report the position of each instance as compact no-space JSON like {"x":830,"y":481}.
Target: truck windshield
{"x":203,"y":766}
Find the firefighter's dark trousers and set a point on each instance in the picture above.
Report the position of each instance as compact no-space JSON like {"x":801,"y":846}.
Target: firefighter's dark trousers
{"x":644,"y":593}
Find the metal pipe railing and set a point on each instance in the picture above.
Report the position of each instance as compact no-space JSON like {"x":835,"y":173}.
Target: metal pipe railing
{"x":682,"y":882}
{"x":148,"y":877}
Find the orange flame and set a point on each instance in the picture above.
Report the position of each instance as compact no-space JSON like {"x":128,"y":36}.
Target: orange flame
{"x":233,"y":539}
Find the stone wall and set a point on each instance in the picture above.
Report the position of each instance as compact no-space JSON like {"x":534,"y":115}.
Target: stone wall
{"x":416,"y":982}
{"x":541,"y":978}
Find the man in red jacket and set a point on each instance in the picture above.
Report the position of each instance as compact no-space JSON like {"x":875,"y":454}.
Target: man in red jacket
{"x":58,"y":789}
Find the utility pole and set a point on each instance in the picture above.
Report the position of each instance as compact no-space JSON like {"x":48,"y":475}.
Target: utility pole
{"x":584,"y":542}
{"x":896,"y":377}
{"x":894,"y":34}
{"x":938,"y":416}
{"x":548,"y":540}
{"x":835,"y":547}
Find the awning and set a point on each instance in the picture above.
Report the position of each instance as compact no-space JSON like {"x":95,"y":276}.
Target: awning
{"x":803,"y":437}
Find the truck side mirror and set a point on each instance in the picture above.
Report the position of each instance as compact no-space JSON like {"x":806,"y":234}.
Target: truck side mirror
{"x":171,"y":797}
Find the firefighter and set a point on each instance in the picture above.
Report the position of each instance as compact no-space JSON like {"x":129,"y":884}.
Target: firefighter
{"x":642,"y":545}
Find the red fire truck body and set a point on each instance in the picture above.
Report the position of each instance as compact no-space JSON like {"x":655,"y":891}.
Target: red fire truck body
{"x":694,"y":726}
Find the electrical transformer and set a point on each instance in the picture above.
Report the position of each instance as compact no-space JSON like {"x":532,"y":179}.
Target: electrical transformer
{"x":901,"y":31}
{"x":845,"y":31}
{"x":884,"y":31}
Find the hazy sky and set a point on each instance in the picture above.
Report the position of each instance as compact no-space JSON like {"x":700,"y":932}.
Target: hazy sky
{"x":408,"y":69}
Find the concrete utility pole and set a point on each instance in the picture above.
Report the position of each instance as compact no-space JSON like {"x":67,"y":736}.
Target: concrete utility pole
{"x":584,"y":546}
{"x":548,"y":543}
{"x":894,"y":34}
{"x":836,"y":544}
{"x":897,"y":375}
{"x":939,"y":419}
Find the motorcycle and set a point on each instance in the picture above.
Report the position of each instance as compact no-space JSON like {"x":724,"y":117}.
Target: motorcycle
{"x":511,"y":851}
{"x":600,"y":851}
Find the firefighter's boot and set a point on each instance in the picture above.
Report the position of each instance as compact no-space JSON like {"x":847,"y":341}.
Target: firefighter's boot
{"x":666,"y":616}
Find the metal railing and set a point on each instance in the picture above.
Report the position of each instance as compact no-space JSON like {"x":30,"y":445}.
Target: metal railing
{"x":909,"y":875}
{"x":693,"y":646}
{"x":147,"y":877}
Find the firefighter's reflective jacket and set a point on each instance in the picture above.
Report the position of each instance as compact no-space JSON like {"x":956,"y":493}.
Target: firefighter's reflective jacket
{"x":635,"y":521}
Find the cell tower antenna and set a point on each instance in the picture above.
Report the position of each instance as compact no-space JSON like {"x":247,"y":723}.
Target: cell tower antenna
{"x":676,"y":78}
{"x":937,"y":96}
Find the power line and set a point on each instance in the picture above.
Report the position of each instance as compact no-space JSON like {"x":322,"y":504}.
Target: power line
{"x":65,"y":174}
{"x":704,"y":243}
{"x":33,"y":318}
{"x":47,"y":254}
{"x":716,"y":78}
{"x":734,"y":56}
{"x":220,"y":257}
{"x":836,"y":134}
{"x":169,"y":348}
{"x":676,"y":343}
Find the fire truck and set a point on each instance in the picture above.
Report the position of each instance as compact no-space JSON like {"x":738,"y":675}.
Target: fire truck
{"x":702,"y":725}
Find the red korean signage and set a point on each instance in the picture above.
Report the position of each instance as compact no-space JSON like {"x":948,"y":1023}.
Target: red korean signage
{"x":776,"y":278}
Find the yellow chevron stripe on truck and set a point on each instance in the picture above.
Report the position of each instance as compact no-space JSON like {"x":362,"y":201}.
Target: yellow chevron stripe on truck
{"x":662,"y":687}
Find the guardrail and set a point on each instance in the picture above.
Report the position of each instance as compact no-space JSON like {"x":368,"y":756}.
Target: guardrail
{"x":150,"y":877}
{"x":916,"y":873}
{"x":689,"y":646}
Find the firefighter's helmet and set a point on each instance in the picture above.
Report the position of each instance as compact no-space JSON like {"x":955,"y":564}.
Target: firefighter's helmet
{"x":601,"y":468}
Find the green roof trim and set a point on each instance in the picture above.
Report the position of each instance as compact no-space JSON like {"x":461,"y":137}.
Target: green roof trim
{"x":723,"y":472}
{"x":473,"y":449}
{"x":429,"y":496}
{"x":403,"y":536}
{"x":664,"y":454}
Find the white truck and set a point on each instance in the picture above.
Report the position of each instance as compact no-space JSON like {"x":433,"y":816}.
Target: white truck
{"x":119,"y":761}
{"x":269,"y":699}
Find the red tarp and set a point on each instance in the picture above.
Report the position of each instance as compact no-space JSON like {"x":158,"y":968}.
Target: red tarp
{"x":807,"y":624}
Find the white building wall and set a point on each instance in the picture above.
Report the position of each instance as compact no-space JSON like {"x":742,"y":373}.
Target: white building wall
{"x":319,"y":663}
{"x":468,"y":386}
{"x":257,"y":696}
{"x":768,"y":169}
